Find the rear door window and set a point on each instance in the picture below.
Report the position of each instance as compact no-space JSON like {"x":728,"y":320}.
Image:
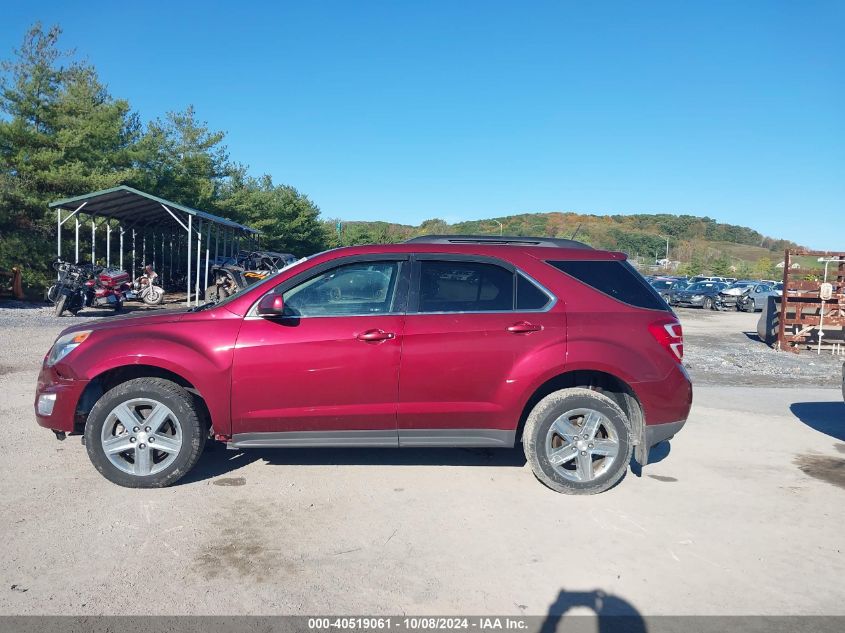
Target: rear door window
{"x":617,"y":279}
{"x":459,"y":286}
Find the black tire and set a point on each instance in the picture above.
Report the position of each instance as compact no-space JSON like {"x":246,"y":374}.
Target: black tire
{"x":60,"y":304}
{"x":178,"y":400}
{"x":118,"y":306}
{"x":707,"y":304}
{"x":751,"y":306}
{"x":538,"y":428}
{"x":52,"y":293}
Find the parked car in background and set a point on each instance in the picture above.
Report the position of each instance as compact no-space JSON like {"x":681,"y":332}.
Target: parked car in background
{"x":666,"y":285}
{"x":463,"y":341}
{"x":754,"y":298}
{"x":728,"y":297}
{"x":697,"y":295}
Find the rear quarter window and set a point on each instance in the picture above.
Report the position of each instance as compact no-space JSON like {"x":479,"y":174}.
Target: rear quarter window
{"x":615,"y":279}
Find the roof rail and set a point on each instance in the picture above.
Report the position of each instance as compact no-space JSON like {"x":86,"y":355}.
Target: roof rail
{"x":505,"y":240}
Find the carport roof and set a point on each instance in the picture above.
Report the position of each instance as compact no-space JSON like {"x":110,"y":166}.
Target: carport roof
{"x":132,"y":206}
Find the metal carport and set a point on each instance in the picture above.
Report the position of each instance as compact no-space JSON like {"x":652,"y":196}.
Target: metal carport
{"x":171,"y":227}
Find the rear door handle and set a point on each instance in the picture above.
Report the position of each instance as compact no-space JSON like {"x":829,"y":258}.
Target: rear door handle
{"x":523,"y":327}
{"x":375,"y":335}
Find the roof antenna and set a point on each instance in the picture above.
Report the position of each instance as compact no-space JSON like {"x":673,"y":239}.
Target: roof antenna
{"x":576,"y":231}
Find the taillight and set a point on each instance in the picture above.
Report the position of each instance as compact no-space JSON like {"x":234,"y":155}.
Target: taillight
{"x":669,"y":334}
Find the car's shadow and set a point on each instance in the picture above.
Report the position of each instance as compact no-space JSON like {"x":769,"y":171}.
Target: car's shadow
{"x":218,"y":460}
{"x":825,"y":417}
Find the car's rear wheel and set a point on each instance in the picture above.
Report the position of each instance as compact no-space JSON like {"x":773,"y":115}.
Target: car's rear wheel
{"x":577,"y":441}
{"x":707,"y":304}
{"x":144,"y":433}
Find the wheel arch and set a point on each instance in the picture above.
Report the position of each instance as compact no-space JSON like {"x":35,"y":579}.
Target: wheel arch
{"x":111,"y":378}
{"x":597,"y":380}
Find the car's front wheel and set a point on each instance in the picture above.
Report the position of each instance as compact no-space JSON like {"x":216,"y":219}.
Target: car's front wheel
{"x":144,"y":433}
{"x":577,"y":441}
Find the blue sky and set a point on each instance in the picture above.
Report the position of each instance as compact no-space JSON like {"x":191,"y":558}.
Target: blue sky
{"x":404,"y":111}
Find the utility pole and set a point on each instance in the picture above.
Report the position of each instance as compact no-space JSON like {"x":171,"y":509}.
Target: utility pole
{"x":501,"y":227}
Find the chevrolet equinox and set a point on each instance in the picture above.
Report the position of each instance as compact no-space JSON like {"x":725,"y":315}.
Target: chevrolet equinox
{"x":439,"y":341}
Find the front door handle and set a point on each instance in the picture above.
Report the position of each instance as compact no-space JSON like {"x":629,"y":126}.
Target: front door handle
{"x":375,"y":335}
{"x":523,"y":327}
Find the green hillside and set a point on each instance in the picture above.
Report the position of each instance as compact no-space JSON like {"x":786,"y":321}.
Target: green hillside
{"x":701,"y":244}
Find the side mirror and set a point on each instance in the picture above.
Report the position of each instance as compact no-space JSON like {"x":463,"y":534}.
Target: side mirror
{"x":271,"y":305}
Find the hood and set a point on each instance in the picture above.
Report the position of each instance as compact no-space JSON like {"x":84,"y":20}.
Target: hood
{"x":142,"y":317}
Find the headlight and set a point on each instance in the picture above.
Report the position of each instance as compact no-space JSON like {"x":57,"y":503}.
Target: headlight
{"x":697,"y":297}
{"x":65,"y":345}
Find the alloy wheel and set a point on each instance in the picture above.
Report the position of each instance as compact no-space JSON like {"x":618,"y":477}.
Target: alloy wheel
{"x":141,"y":436}
{"x":581,"y":445}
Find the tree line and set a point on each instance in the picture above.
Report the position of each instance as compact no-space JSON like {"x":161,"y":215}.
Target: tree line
{"x":63,"y":134}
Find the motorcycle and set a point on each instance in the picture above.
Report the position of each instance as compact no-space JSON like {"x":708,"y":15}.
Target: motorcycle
{"x":68,"y":293}
{"x":84,"y":285}
{"x":145,"y":288}
{"x":103,"y":289}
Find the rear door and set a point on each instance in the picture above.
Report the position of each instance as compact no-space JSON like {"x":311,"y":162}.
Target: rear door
{"x":472,"y":327}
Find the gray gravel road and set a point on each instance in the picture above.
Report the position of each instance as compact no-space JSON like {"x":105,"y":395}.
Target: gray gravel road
{"x":746,"y":502}
{"x":723,"y":348}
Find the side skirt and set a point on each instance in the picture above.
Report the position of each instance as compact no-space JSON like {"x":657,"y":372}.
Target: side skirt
{"x":380,"y":438}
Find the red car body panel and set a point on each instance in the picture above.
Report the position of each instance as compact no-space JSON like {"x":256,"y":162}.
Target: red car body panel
{"x":315,"y":375}
{"x":479,"y":370}
{"x":459,"y":370}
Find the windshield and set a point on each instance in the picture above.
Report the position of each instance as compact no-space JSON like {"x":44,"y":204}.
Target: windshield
{"x":662,"y":284}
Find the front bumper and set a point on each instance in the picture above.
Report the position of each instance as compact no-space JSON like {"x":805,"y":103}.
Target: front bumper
{"x":65,"y":394}
{"x":688,"y":301}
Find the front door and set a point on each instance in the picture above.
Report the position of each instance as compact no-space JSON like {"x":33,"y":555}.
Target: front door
{"x":327,"y":372}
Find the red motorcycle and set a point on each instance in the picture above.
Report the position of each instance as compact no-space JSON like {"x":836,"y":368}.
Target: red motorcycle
{"x":103,"y":288}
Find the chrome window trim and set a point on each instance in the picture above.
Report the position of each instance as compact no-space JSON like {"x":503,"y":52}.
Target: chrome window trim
{"x":253,"y":316}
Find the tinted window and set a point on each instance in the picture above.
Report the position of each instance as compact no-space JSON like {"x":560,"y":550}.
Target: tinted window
{"x":464,"y":287}
{"x":616,"y":279}
{"x":359,"y":288}
{"x":529,"y":296}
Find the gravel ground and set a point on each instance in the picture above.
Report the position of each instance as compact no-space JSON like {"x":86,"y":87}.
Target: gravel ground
{"x":723,"y":348}
{"x":713,"y":527}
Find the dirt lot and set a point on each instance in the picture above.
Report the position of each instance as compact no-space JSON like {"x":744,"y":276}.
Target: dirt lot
{"x":746,"y":502}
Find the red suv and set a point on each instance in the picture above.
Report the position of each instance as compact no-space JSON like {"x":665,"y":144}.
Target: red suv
{"x":439,"y":341}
